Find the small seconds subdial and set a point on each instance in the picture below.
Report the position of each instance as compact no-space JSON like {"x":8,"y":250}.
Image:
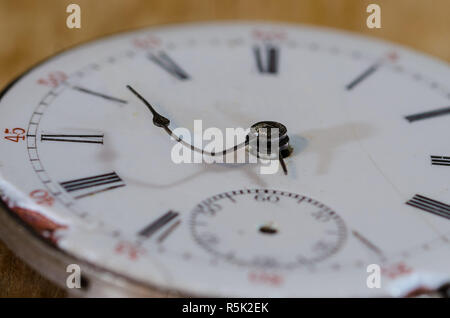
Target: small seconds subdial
{"x":267,"y":228}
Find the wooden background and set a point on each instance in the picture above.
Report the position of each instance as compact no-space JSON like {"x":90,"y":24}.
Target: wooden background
{"x":31,"y":30}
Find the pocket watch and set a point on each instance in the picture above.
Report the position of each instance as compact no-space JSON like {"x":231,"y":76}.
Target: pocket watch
{"x":87,"y":177}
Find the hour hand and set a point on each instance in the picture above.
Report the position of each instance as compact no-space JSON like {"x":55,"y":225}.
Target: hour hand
{"x":158,"y":119}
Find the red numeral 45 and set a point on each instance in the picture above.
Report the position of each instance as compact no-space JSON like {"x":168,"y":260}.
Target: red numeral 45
{"x":15,"y":134}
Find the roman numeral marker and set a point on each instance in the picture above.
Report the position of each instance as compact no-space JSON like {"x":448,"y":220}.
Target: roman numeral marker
{"x":363,"y":76}
{"x":93,"y":185}
{"x":167,"y":232}
{"x":371,"y":246}
{"x":430,"y":205}
{"x":87,"y":91}
{"x":440,"y":161}
{"x":430,"y":114}
{"x":90,"y":139}
{"x":271,"y":55}
{"x":158,"y":224}
{"x":164,"y":61}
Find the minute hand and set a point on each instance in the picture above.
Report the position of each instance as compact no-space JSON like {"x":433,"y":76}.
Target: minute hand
{"x":158,"y":119}
{"x":163,"y":122}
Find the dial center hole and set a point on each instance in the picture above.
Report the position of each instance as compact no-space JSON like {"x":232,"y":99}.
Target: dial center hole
{"x":268,"y":229}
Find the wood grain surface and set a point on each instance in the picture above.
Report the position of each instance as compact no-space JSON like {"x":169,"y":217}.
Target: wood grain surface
{"x":32,"y":30}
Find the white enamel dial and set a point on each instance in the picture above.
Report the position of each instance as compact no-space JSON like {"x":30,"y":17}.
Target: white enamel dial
{"x":367,"y":183}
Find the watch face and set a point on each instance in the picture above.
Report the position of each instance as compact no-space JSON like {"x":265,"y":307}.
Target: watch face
{"x":368,"y":174}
